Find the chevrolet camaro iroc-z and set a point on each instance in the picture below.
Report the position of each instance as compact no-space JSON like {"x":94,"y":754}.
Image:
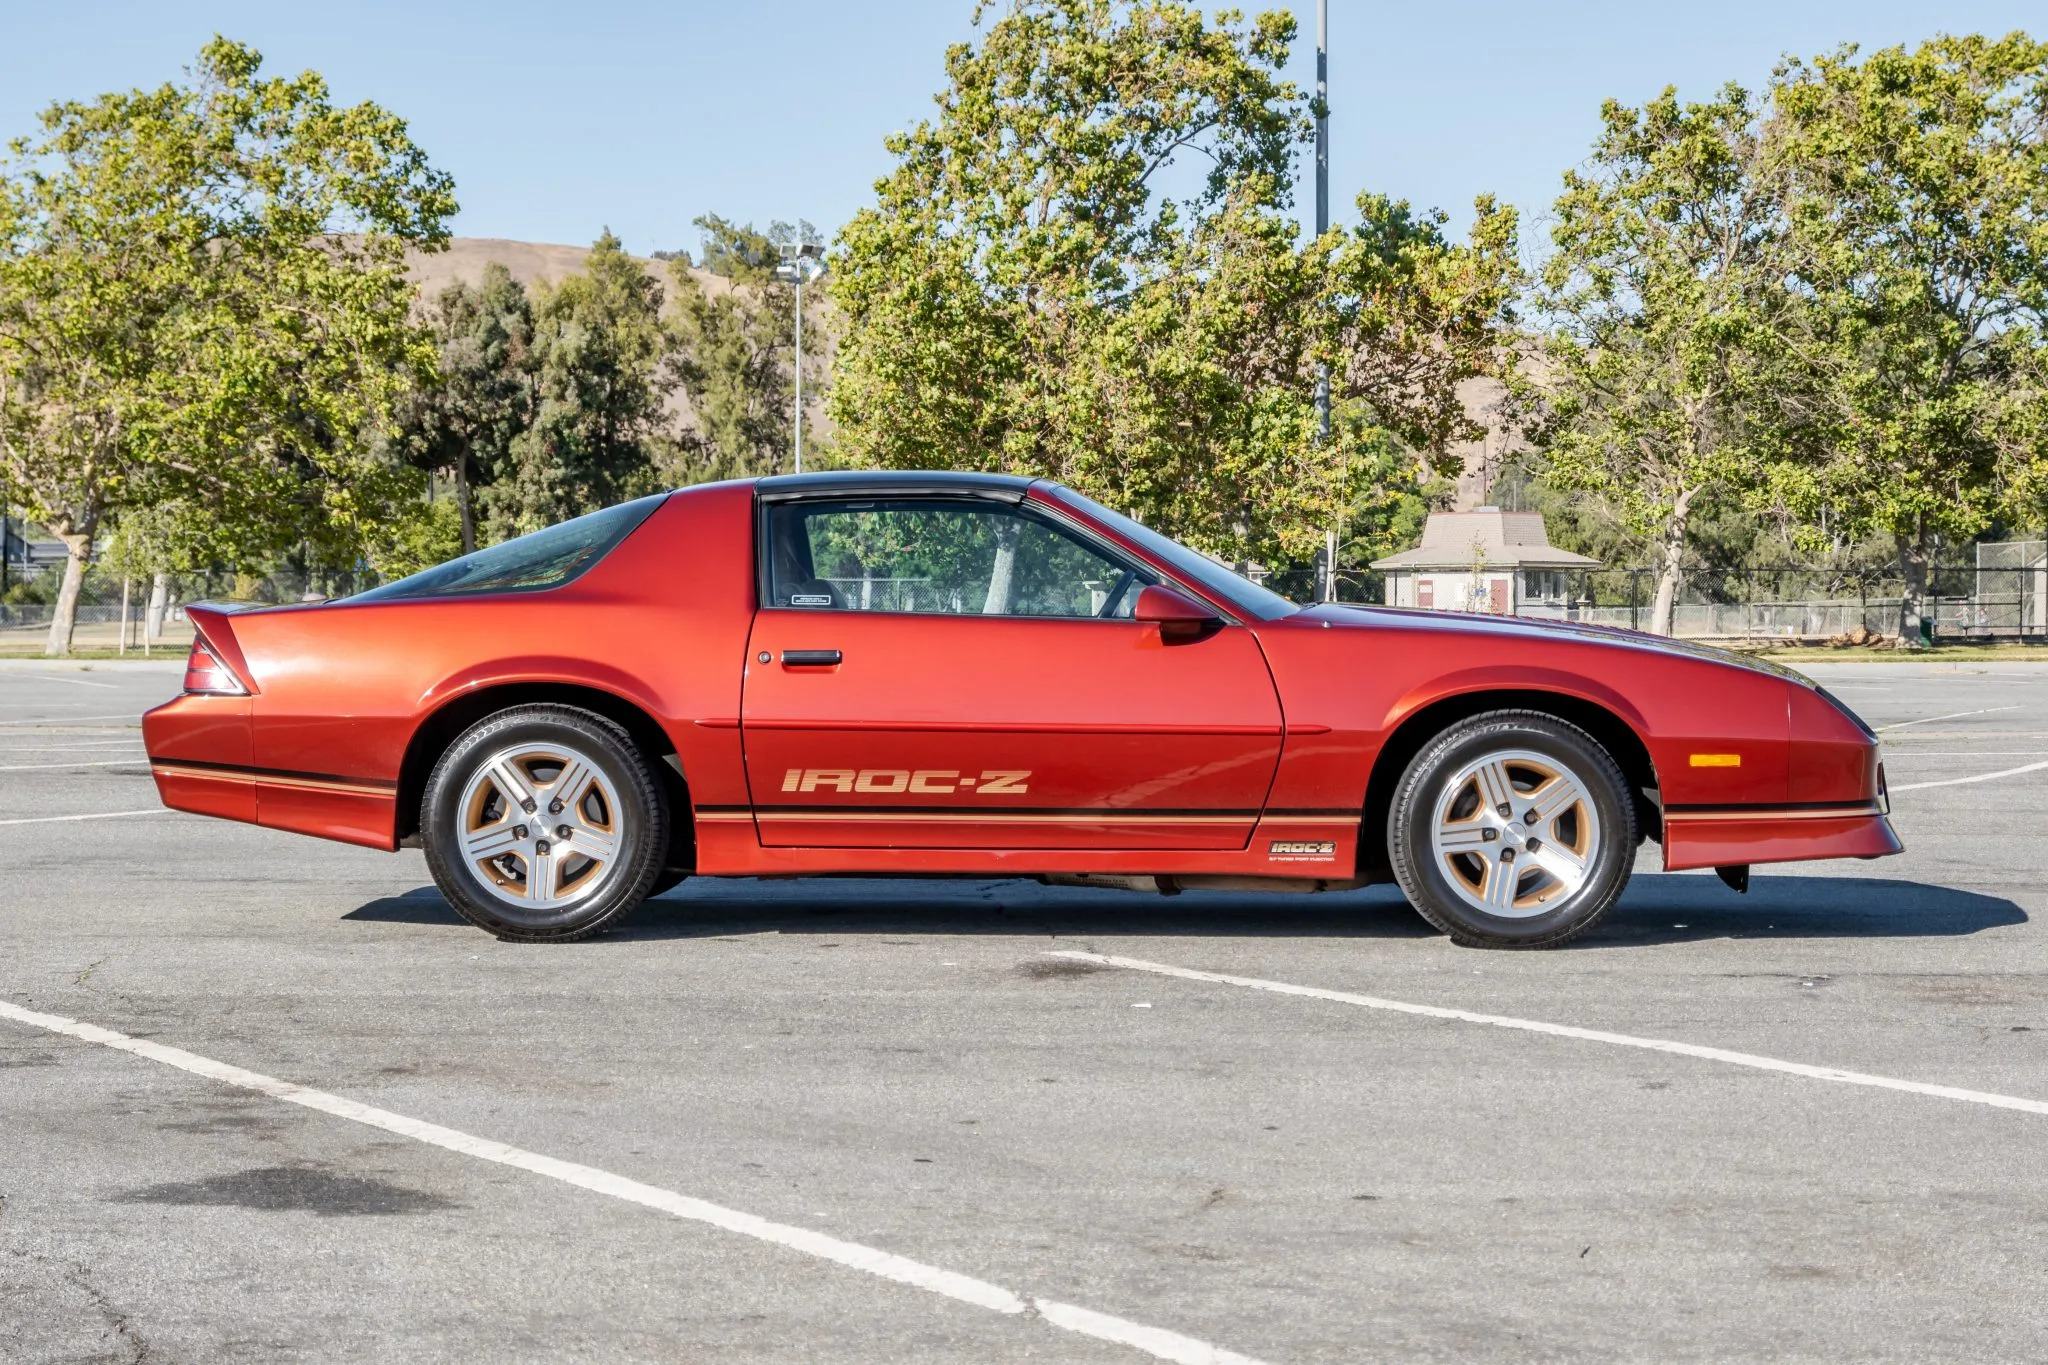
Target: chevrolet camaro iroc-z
{"x":978,"y":675}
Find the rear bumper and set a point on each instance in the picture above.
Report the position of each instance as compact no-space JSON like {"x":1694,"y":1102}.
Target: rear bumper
{"x":200,"y":753}
{"x":1736,"y":836}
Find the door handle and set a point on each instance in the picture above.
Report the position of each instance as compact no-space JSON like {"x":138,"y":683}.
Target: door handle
{"x":809,"y":658}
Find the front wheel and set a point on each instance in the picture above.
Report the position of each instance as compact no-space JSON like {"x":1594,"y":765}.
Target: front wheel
{"x":544,"y":823}
{"x":1512,"y":830}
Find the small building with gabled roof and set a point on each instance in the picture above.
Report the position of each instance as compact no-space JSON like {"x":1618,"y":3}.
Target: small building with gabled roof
{"x":1485,"y":560}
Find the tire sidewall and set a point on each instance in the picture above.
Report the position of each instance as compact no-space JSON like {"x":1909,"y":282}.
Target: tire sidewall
{"x":642,"y":819}
{"x":1412,"y":819}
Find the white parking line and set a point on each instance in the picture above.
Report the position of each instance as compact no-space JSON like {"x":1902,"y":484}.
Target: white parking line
{"x":1953,"y":715}
{"x":96,"y":763}
{"x":1890,"y":754}
{"x":135,"y":716}
{"x":1153,"y":1341}
{"x":1711,"y":1054}
{"x":50,"y":677}
{"x":68,"y":745}
{"x":1960,"y":781}
{"x":101,"y":815}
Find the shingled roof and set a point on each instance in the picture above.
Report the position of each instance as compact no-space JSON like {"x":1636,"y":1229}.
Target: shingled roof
{"x":1500,"y":540}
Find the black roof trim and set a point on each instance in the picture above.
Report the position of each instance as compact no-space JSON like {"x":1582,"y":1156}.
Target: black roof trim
{"x":891,"y":483}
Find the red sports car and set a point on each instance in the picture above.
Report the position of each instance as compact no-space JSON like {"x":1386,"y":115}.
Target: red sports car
{"x":857,"y":673}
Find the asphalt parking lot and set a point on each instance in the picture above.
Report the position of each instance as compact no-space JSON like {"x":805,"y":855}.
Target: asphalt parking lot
{"x":1148,"y":1165}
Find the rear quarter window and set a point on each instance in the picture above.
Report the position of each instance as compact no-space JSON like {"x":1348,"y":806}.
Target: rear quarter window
{"x":531,"y":563}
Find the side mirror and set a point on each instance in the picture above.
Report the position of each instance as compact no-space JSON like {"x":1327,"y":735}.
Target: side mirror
{"x":1178,"y":616}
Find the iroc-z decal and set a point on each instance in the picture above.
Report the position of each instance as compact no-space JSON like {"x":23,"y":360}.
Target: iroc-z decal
{"x":1302,"y":850}
{"x":924,"y":781}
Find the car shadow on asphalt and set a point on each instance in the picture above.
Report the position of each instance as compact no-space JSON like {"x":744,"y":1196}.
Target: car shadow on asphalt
{"x":1657,"y":908}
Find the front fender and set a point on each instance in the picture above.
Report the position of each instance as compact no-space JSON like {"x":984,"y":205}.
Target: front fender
{"x":1513,"y":678}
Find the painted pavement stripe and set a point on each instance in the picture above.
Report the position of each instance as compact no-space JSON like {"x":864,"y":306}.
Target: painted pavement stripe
{"x":1711,"y":1054}
{"x":1154,"y":1341}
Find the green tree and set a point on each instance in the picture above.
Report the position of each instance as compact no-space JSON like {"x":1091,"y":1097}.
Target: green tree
{"x":202,"y":293}
{"x":733,"y":346}
{"x":600,"y":421}
{"x":1670,"y":381}
{"x":1017,"y":225}
{"x":1920,"y":206}
{"x":1083,"y":268}
{"x":481,"y":398}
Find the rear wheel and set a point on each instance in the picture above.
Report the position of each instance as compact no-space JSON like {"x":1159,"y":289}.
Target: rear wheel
{"x":544,"y":823}
{"x":1513,"y":830}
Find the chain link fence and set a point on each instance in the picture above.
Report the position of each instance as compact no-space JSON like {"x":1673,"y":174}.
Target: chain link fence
{"x":1999,"y":595}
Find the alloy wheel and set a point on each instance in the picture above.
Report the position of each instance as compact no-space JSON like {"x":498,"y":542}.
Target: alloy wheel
{"x":1514,"y":833}
{"x":540,"y":825}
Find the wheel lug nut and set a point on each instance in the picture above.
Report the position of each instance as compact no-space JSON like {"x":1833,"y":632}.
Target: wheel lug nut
{"x":1507,"y":812}
{"x":1535,"y":844}
{"x":1489,"y":835}
{"x":519,"y":831}
{"x":1507,"y":855}
{"x":1531,"y":818}
{"x":527,"y":806}
{"x":541,"y":846}
{"x":555,"y":806}
{"x":562,"y":832}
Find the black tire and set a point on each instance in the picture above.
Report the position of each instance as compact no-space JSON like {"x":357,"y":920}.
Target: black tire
{"x":1451,"y":889}
{"x":625,"y":803}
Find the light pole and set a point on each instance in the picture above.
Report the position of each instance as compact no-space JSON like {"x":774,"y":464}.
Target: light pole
{"x":1323,"y":226}
{"x":802,"y":262}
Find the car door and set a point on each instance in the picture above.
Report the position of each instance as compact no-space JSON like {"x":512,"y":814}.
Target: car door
{"x":964,"y":672}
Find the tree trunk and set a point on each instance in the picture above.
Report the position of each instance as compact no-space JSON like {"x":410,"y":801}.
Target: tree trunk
{"x":1671,"y":566}
{"x":159,"y":603}
{"x":1003,"y":574}
{"x":1916,"y":626}
{"x":462,"y":504}
{"x":65,"y":620}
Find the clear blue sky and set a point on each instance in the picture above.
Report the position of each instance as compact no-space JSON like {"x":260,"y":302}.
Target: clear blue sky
{"x":557,"y":120}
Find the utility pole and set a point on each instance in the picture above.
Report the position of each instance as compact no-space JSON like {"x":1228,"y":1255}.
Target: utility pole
{"x":1323,"y":226}
{"x":802,"y":262}
{"x":797,"y":436}
{"x":1322,"y":185}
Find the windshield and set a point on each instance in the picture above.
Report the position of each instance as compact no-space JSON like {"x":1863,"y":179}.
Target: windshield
{"x":532,"y":563}
{"x":1188,"y":564}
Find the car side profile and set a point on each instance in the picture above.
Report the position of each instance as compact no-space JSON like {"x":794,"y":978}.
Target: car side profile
{"x":919,"y":674}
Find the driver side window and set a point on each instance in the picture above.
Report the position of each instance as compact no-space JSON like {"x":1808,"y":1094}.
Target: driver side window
{"x":940,"y":558}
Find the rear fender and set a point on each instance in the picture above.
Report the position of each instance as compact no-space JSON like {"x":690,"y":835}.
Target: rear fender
{"x":542,"y":669}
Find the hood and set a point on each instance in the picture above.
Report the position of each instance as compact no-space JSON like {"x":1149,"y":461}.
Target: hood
{"x":1527,"y":628}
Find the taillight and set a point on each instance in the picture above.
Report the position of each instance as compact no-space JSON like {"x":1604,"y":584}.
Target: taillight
{"x":208,"y":675}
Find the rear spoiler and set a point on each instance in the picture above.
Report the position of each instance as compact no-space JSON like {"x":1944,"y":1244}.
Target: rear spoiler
{"x":210,"y":622}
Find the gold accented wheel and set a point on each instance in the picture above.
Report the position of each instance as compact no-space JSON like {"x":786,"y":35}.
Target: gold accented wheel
{"x":540,"y":823}
{"x":545,"y":823}
{"x":1514,"y":832}
{"x":1513,"y":829}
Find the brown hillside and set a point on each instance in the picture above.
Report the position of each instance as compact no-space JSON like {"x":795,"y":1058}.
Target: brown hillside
{"x":531,"y":262}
